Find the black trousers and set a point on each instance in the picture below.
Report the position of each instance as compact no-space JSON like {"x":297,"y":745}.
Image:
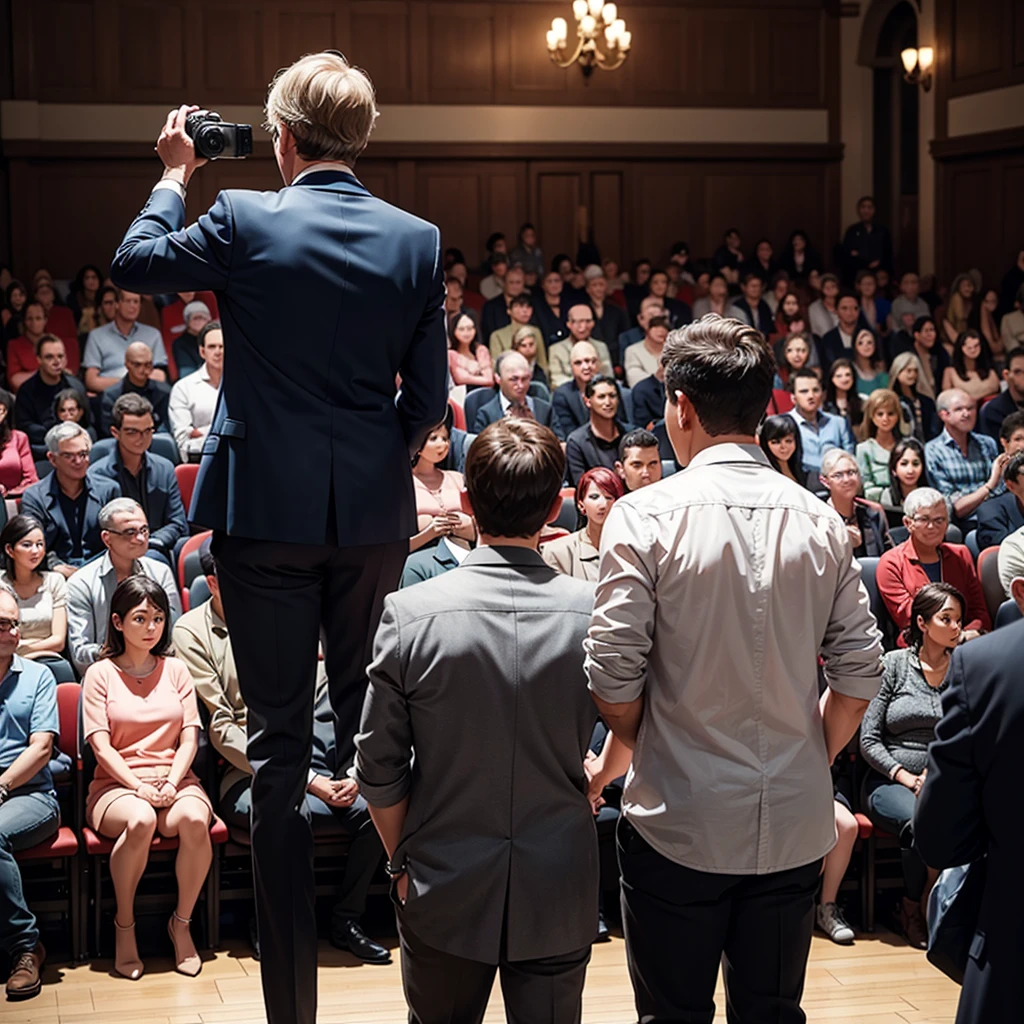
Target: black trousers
{"x":680,"y":925}
{"x":444,"y":989}
{"x":277,"y":598}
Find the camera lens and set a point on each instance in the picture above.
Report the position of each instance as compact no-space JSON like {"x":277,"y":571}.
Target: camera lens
{"x":211,"y":139}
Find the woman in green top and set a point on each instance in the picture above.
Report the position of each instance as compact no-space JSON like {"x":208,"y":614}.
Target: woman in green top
{"x":882,"y":424}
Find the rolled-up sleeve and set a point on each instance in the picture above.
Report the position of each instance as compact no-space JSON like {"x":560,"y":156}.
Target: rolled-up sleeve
{"x":852,"y":645}
{"x":622,"y":625}
{"x":384,"y":741}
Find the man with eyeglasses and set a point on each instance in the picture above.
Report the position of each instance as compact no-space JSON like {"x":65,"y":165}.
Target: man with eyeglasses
{"x":68,"y":501}
{"x":144,"y":476}
{"x":125,"y":534}
{"x":581,"y":326}
{"x":138,"y":380}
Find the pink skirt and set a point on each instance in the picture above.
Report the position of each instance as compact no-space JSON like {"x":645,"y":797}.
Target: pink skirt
{"x":103,"y":792}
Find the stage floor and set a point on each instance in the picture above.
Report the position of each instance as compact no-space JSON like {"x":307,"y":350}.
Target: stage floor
{"x":879,"y":980}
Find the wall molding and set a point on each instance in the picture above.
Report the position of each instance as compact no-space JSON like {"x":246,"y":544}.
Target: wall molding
{"x":1006,"y":141}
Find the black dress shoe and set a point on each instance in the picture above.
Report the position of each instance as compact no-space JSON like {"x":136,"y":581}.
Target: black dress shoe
{"x":254,"y":938}
{"x":349,"y":936}
{"x":603,"y":935}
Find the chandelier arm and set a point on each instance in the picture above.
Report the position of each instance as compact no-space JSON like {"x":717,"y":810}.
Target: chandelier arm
{"x":604,"y":65}
{"x":568,"y":63}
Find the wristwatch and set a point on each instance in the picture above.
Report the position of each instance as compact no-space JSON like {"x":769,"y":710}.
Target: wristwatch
{"x":394,"y":870}
{"x":5,"y":791}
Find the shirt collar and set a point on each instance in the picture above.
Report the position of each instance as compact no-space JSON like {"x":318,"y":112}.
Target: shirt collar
{"x":337,"y":166}
{"x":107,"y":566}
{"x":718,"y":454}
{"x":506,"y":404}
{"x":17,"y":667}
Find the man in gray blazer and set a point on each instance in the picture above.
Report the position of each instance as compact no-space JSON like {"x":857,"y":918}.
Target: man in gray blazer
{"x":489,"y":832}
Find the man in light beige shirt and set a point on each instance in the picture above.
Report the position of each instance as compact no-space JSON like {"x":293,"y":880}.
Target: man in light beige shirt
{"x":718,"y":588}
{"x":580,"y":324}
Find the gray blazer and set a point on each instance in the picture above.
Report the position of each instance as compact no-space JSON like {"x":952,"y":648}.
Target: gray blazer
{"x":483,"y":666}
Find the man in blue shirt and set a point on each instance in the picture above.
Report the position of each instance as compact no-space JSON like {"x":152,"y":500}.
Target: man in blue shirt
{"x":105,"y":348}
{"x":28,"y":804}
{"x":819,"y":430}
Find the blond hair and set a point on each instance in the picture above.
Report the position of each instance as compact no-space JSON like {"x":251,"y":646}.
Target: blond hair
{"x":328,"y":105}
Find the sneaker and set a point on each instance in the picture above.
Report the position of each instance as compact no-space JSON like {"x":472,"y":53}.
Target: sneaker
{"x":831,"y":922}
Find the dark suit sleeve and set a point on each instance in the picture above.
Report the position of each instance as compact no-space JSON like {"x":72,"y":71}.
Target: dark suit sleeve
{"x":561,"y":422}
{"x":424,"y":370}
{"x":27,"y":417}
{"x":993,"y":525}
{"x":542,"y":412}
{"x":575,"y":463}
{"x":949,"y":826}
{"x":483,"y":419}
{"x":175,"y":524}
{"x":159,"y":255}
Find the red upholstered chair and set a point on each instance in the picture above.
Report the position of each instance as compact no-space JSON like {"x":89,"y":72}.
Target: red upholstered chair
{"x":991,"y":584}
{"x":188,"y":559}
{"x":61,"y":849}
{"x":458,"y":415}
{"x":186,"y":474}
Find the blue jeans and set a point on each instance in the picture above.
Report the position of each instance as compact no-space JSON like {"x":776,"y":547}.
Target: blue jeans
{"x":25,"y":819}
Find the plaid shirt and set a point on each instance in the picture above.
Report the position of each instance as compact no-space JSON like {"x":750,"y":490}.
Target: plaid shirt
{"x":955,"y":474}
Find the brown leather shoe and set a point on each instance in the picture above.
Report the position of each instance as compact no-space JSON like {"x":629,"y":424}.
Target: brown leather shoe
{"x":26,"y":973}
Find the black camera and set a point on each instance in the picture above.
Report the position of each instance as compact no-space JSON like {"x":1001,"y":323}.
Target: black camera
{"x":215,"y":139}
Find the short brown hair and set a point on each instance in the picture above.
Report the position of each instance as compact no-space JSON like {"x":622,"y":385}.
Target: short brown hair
{"x":48,"y":339}
{"x":514,"y":471}
{"x":328,"y":105}
{"x":130,"y":405}
{"x":725,"y":369}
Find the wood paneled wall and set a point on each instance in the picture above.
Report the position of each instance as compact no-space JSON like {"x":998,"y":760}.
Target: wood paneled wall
{"x":73,"y":211}
{"x":702,"y":53}
{"x":985,"y":44}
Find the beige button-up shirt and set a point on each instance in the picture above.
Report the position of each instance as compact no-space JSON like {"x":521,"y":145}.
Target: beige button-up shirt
{"x":718,"y":588}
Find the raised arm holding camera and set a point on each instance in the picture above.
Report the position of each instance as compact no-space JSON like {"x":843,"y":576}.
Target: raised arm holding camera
{"x":311,"y":531}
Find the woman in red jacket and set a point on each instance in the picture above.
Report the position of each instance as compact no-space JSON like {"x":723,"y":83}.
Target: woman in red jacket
{"x":17,"y":468}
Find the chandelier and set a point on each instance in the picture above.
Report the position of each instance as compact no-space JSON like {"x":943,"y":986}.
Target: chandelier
{"x":592,"y":17}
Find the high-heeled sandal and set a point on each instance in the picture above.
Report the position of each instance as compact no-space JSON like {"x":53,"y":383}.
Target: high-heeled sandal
{"x":131,"y":969}
{"x":189,"y":965}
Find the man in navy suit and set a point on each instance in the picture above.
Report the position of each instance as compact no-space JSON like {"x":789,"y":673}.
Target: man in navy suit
{"x":513,"y":398}
{"x":305,"y":476}
{"x":971,"y":804}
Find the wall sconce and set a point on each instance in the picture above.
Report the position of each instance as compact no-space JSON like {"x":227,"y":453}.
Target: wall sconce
{"x":917,"y":66}
{"x":593,"y":18}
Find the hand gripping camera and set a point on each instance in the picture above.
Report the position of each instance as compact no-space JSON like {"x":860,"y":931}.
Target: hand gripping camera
{"x":215,"y":139}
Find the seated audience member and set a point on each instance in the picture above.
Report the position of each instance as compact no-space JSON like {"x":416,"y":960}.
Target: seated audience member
{"x":649,"y":307}
{"x":144,"y":476}
{"x":963,"y":465}
{"x":68,"y":501}
{"x":717,"y":299}
{"x":931,"y":354}
{"x":17,"y":467}
{"x":496,"y":312}
{"x":926,"y":557}
{"x":72,"y":406}
{"x":918,"y":409}
{"x":429,"y":562}
{"x":609,"y":320}
{"x":491,"y":286}
{"x":59,"y":319}
{"x":469,"y":362}
{"x":202,"y":642}
{"x":1011,"y":559}
{"x":639,"y":461}
{"x":22,"y":362}
{"x":1011,"y":327}
{"x":42,"y":595}
{"x":897,"y":729}
{"x":961,"y":308}
{"x":837,"y":343}
{"x":577,"y":554}
{"x":105,"y":348}
{"x":874,"y":308}
{"x":798,"y":257}
{"x":762,"y":264}
{"x":792,"y":354}
{"x":185,"y":349}
{"x":643,"y":359}
{"x":649,"y":399}
{"x":513,"y":398}
{"x":172,"y":316}
{"x":819,"y":430}
{"x":29,"y":812}
{"x":865,"y":523}
{"x":1001,"y":516}
{"x":728,"y":257}
{"x":568,"y":410}
{"x":34,"y":411}
{"x":908,"y":305}
{"x":971,"y":370}
{"x":882,"y":427}
{"x":994,"y":412}
{"x":453,"y":295}
{"x":581,"y":325}
{"x":107,"y":306}
{"x":438,"y":502}
{"x":526,"y":252}
{"x":524,"y":341}
{"x":868,"y":363}
{"x":1011,"y":433}
{"x":906,"y":472}
{"x":84,"y":298}
{"x":194,"y":398}
{"x":842,"y":397}
{"x":596,"y":443}
{"x":823,"y":312}
{"x":139,"y":715}
{"x":780,"y":441}
{"x":520,"y":314}
{"x":125,"y":535}
{"x":552,"y":308}
{"x":678,"y":312}
{"x":11,"y":311}
{"x":138,"y":380}
{"x":751,"y":308}
{"x":866,"y":245}
{"x":790,"y":318}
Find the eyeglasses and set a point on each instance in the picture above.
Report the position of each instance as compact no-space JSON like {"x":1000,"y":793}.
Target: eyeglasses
{"x":74,"y":456}
{"x":9,"y":625}
{"x":136,"y":432}
{"x":132,"y":532}
{"x":844,"y":474}
{"x":928,"y":521}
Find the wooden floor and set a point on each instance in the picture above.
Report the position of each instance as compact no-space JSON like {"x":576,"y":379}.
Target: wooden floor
{"x":877,"y":981}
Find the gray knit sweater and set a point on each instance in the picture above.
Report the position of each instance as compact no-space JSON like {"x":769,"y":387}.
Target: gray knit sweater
{"x":900,"y":721}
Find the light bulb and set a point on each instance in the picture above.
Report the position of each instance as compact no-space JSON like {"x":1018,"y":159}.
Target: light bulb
{"x":625,"y":38}
{"x":560,"y":28}
{"x":595,"y":7}
{"x":925,"y":57}
{"x":588,"y":24}
{"x":552,"y":39}
{"x":611,"y":37}
{"x":619,"y":25}
{"x":610,"y":13}
{"x":909,"y":58}
{"x":579,"y":8}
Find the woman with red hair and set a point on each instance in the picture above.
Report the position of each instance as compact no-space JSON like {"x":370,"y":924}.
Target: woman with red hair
{"x":576,"y":555}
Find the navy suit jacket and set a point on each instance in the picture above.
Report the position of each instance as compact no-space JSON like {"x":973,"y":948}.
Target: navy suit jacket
{"x":972,"y":804}
{"x":492,"y":412}
{"x":165,"y":509}
{"x":326,"y":294}
{"x":992,"y":414}
{"x":997,"y":519}
{"x":568,"y":410}
{"x":41,"y":502}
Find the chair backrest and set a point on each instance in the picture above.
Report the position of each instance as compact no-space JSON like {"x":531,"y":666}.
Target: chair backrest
{"x":971,"y":540}
{"x":458,"y":416}
{"x":1008,"y":613}
{"x":101,"y":449}
{"x":165,"y":445}
{"x":954,"y":535}
{"x":899,"y":534}
{"x":186,"y":474}
{"x":190,"y":552}
{"x":868,"y":571}
{"x":44,"y":468}
{"x":475,"y":400}
{"x":67,"y":710}
{"x":538,"y":389}
{"x":668,"y":467}
{"x":991,"y":584}
{"x":199,"y":592}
